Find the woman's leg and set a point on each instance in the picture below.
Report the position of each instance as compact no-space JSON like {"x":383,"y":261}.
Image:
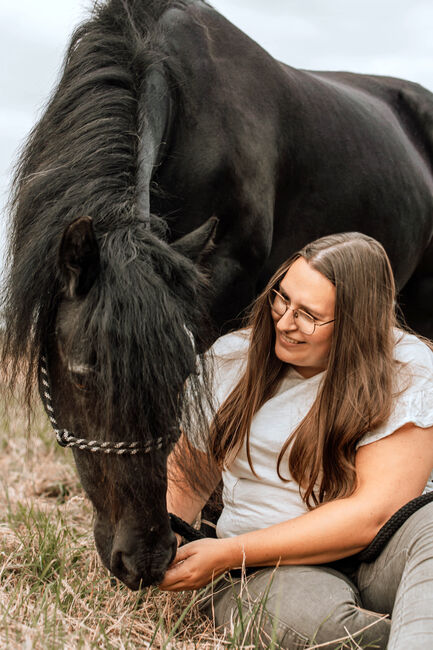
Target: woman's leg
{"x":298,"y":607}
{"x":401,"y":581}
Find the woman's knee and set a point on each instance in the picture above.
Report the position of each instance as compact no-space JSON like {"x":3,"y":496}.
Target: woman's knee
{"x":406,"y":563}
{"x":413,"y":542}
{"x":297,"y":606}
{"x":418,"y":534}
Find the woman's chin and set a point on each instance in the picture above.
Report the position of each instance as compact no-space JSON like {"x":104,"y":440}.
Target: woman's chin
{"x":289,"y":353}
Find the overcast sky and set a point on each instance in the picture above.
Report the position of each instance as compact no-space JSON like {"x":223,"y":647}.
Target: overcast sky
{"x":391,"y":37}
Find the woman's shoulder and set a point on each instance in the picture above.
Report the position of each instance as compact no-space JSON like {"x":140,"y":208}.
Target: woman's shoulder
{"x":228,"y":357}
{"x":413,"y":397}
{"x":413,"y":353}
{"x":232,"y":346}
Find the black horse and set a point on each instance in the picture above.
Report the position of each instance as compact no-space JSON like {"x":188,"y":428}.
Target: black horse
{"x":177,"y":164}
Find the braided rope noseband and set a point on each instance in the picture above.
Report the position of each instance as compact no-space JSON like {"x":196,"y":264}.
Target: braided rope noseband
{"x":67,"y":439}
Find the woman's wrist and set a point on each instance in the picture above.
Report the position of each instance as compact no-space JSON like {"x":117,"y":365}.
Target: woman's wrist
{"x":233,"y":553}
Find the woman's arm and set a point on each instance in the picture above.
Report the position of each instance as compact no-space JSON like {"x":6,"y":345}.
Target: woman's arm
{"x":182,"y":500}
{"x":390,"y":472}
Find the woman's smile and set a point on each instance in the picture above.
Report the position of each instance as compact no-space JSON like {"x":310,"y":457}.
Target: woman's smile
{"x":289,"y":341}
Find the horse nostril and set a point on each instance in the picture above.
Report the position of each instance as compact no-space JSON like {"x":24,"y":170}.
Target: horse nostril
{"x":138,"y":562}
{"x":128,"y":564}
{"x":124,"y":568}
{"x":122,"y":565}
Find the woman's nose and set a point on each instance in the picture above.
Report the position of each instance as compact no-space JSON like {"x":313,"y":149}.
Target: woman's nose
{"x":287,"y":321}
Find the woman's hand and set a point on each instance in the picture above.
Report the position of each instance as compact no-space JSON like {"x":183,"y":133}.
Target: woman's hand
{"x":198,"y":563}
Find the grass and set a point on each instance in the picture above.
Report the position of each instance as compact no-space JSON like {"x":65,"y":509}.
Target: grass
{"x":54,"y":592}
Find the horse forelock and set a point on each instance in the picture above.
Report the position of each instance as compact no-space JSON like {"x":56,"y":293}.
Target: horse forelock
{"x":80,"y":159}
{"x":141,"y":321}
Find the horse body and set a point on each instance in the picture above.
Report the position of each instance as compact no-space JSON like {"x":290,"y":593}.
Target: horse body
{"x":383,"y":179}
{"x":290,"y":155}
{"x":167,"y":116}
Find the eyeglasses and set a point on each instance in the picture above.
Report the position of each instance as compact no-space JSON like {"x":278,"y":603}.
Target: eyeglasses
{"x":306,"y":323}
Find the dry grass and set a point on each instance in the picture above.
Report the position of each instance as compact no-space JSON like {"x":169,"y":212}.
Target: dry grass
{"x":54,"y":592}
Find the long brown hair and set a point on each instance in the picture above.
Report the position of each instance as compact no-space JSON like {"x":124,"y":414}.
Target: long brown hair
{"x":355,"y":395}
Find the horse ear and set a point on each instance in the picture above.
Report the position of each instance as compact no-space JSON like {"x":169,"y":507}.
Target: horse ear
{"x":79,"y":257}
{"x":199,"y":243}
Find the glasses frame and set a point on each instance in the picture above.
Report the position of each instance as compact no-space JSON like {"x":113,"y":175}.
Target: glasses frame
{"x":296,"y":311}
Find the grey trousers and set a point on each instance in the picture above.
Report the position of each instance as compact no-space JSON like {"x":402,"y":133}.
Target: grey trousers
{"x":385,"y":604}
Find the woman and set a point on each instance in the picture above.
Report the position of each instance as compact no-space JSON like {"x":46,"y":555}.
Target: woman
{"x":324,"y":430}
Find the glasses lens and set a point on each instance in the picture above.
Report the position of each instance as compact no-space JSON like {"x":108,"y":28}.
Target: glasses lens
{"x":277,"y":303}
{"x":305,"y":322}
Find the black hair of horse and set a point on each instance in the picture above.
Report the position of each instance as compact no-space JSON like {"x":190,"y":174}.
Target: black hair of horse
{"x":95,"y":114}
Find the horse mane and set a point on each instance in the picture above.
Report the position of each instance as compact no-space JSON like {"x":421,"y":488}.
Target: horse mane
{"x":80,"y":159}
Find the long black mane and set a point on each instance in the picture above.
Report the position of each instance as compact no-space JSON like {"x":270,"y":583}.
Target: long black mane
{"x":94,"y":115}
{"x":82,"y":159}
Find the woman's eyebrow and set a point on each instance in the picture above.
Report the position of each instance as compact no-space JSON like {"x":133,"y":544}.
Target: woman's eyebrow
{"x":313,"y":312}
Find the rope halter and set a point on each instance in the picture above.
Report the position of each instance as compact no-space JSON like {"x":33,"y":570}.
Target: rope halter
{"x":67,"y":439}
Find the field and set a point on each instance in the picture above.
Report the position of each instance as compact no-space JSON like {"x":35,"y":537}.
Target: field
{"x":54,"y":592}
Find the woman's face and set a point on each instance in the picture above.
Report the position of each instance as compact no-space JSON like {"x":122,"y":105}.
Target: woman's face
{"x":314,"y":294}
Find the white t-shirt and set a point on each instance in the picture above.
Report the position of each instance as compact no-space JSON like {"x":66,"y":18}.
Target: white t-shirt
{"x":253,"y":502}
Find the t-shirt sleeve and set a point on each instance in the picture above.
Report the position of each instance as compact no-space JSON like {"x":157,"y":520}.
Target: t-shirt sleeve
{"x":413,"y":402}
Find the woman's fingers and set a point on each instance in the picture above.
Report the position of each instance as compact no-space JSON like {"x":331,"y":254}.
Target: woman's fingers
{"x":195,"y":565}
{"x":183,"y":552}
{"x":176,"y":573}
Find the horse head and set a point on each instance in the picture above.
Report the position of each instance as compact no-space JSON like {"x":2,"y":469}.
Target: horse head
{"x":121,"y":347}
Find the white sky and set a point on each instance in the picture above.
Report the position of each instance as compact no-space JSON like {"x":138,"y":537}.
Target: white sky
{"x":391,"y":37}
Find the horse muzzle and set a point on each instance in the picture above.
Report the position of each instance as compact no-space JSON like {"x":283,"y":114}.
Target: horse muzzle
{"x":139,"y":561}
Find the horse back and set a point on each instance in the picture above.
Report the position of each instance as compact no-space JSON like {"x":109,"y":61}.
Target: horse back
{"x":411,"y":102}
{"x":291,"y":154}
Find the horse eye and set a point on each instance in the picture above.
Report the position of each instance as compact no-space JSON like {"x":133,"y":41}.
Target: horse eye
{"x":80,"y":380}
{"x":80,"y":377}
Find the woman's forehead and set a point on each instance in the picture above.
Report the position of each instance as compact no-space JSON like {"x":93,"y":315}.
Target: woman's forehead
{"x":304,"y":285}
